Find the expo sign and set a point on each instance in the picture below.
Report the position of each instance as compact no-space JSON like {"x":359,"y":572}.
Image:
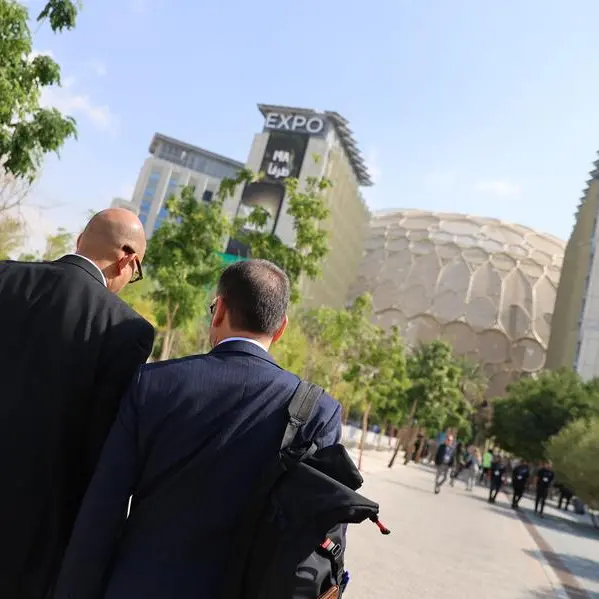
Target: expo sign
{"x":296,"y":123}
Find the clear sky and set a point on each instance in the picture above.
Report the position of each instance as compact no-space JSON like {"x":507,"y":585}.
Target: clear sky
{"x":489,"y":108}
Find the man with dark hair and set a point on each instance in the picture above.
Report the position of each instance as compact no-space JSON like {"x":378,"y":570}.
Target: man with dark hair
{"x":190,"y":445}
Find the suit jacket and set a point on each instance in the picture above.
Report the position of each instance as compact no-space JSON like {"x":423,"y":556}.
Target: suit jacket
{"x":222,"y":416}
{"x":68,"y":351}
{"x":442,"y":450}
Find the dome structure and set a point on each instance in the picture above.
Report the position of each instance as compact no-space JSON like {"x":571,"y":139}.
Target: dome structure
{"x":486,"y":286}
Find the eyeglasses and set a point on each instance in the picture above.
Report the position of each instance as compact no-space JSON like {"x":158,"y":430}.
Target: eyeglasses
{"x":212,"y":307}
{"x":138,"y":274}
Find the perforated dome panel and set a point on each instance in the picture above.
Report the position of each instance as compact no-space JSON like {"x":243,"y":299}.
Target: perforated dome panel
{"x":486,"y":286}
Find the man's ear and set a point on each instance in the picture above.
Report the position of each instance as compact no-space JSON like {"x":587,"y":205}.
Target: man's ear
{"x":281,"y":329}
{"x":123,"y":263}
{"x":220,"y":311}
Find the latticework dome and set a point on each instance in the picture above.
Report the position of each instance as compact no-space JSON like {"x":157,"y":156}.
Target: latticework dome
{"x":486,"y":286}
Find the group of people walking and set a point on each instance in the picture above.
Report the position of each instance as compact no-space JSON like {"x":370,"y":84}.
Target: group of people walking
{"x":451,"y":460}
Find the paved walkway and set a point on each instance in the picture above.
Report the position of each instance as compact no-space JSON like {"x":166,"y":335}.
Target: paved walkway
{"x":453,"y":545}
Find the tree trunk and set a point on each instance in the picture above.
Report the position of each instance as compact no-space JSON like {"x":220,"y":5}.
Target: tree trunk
{"x":167,"y":343}
{"x":398,"y":444}
{"x":364,"y":433}
{"x":345,"y":415}
{"x":413,"y":435}
{"x":420,"y":450}
{"x":169,"y":335}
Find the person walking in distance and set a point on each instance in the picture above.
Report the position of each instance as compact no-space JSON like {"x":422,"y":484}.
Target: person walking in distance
{"x":190,"y":444}
{"x":486,"y":469}
{"x":497,"y":478}
{"x":565,"y":497}
{"x":69,"y":349}
{"x":520,"y":476}
{"x":444,"y":460}
{"x":473,"y":465}
{"x":544,"y":478}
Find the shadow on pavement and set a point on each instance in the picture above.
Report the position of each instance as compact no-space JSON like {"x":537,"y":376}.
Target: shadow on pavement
{"x":571,"y":593}
{"x":549,"y":522}
{"x":581,"y":567}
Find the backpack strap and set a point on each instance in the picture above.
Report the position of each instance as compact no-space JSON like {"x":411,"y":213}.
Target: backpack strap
{"x":302,"y":403}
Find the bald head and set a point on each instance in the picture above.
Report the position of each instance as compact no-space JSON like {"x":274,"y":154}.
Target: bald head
{"x":115,"y":241}
{"x":109,"y":231}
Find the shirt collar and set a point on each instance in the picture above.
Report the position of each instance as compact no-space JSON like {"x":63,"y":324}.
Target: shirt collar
{"x":243,"y":339}
{"x":95,"y":266}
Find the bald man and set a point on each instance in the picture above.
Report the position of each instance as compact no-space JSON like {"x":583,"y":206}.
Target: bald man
{"x":69,"y":348}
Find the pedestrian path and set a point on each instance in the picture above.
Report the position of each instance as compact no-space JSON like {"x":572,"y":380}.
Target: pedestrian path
{"x":570,"y":544}
{"x":452,"y":545}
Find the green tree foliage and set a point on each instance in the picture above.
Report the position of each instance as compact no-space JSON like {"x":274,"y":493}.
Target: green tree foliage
{"x":379,"y":375}
{"x":307,"y":207}
{"x":574,"y":452}
{"x":335,"y":337}
{"x":139,"y":297}
{"x":28,"y":131}
{"x":436,"y":385}
{"x":535,"y":409}
{"x":59,"y":244}
{"x":183,"y":261}
{"x":292,"y":351}
{"x":435,"y":398}
{"x":12,"y":235}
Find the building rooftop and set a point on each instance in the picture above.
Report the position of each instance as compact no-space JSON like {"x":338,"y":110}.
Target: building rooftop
{"x":159,"y":137}
{"x":343,"y":131}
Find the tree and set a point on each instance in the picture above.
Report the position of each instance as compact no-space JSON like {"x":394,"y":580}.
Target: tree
{"x":13,"y":192}
{"x":139,"y":297}
{"x":435,"y":392}
{"x":574,"y":452}
{"x":379,"y":376}
{"x":59,"y":244}
{"x":12,"y":235}
{"x":336,"y":338}
{"x":307,"y":206}
{"x":473,"y":385}
{"x":292,"y":350}
{"x":28,"y":131}
{"x":535,"y":409}
{"x":183,"y":261}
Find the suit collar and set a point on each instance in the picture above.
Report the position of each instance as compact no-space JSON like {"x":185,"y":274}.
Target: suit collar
{"x":244,"y":347}
{"x":85,"y":264}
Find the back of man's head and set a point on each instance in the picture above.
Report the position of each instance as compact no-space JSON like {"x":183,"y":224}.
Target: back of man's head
{"x":115,"y":241}
{"x":256,"y":296}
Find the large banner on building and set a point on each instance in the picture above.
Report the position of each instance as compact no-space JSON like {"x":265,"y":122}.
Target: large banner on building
{"x":283,"y":158}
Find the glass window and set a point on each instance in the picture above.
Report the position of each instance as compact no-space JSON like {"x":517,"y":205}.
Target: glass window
{"x":162,"y":216}
{"x":144,"y":210}
{"x":207,"y":195}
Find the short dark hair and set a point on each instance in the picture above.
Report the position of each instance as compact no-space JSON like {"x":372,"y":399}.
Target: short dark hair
{"x":256,"y":293}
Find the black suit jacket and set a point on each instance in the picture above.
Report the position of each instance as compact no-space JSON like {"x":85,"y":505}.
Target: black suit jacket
{"x":191,"y":440}
{"x":68,"y":350}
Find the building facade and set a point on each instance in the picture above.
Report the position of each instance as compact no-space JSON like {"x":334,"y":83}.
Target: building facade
{"x":486,"y":286}
{"x":286,"y":147}
{"x":574,"y":341}
{"x":172,"y":165}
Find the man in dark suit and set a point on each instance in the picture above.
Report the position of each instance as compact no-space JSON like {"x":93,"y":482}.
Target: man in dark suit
{"x":68,"y":351}
{"x":189,"y":444}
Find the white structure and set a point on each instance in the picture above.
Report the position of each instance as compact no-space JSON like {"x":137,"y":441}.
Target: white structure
{"x":587,"y":356}
{"x":126,"y":204}
{"x":486,"y":286}
{"x":174,"y":164}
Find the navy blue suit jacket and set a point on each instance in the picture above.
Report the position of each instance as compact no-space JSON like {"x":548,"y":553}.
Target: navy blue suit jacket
{"x":223,"y":414}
